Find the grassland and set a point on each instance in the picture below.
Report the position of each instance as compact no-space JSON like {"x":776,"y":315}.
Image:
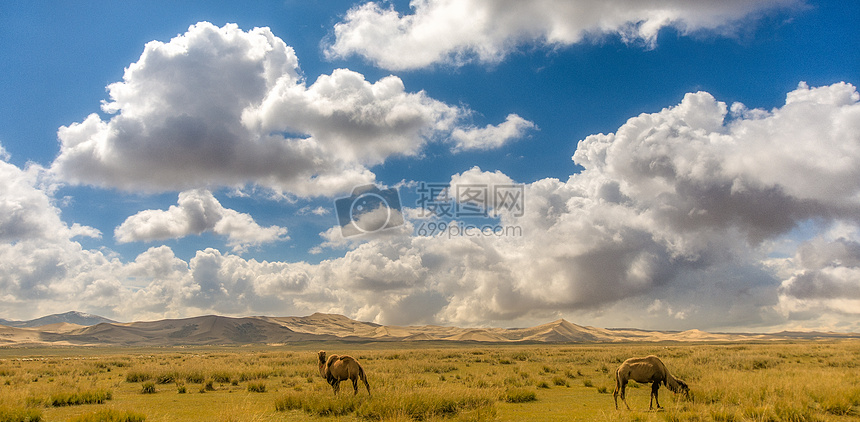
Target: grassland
{"x":795,"y":382}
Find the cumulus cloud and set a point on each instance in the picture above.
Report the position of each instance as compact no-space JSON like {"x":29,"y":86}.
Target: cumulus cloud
{"x":27,"y":211}
{"x":491,"y":137}
{"x":197,"y":211}
{"x":693,"y":172}
{"x":39,"y":260}
{"x":821,"y":278}
{"x":224,"y":107}
{"x":675,"y":213}
{"x":479,"y":188}
{"x":671,"y":214}
{"x":356,"y":121}
{"x":457,"y":32}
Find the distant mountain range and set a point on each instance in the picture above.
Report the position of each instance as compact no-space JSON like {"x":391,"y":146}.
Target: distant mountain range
{"x":71,"y":317}
{"x":74,"y":328}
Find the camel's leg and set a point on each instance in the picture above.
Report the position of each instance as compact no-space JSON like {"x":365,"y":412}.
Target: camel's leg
{"x":336,"y":386}
{"x":623,"y":396}
{"x":654,"y":388}
{"x":355,"y":385}
{"x":615,"y":394}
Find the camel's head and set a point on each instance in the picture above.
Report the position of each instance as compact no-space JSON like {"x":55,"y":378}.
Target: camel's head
{"x":321,"y":355}
{"x":682,"y":388}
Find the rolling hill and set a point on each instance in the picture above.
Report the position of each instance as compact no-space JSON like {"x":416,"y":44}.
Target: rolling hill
{"x":71,"y":317}
{"x":221,"y":330}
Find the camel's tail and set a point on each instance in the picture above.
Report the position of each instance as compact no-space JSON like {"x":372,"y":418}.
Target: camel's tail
{"x":363,"y":377}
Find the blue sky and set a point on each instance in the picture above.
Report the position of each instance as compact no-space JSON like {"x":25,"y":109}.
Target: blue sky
{"x":683,"y":165}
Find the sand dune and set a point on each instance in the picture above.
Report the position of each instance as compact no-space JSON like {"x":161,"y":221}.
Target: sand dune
{"x":220,"y":330}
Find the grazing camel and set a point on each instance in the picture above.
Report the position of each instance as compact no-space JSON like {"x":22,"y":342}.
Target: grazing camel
{"x":645,"y":370}
{"x":341,"y":368}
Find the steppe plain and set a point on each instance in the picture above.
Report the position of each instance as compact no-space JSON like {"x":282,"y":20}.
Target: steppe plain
{"x":750,"y":379}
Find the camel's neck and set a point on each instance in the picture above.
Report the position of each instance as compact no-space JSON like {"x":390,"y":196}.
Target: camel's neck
{"x":672,"y":383}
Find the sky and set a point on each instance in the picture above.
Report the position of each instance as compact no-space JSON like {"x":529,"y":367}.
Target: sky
{"x":665,"y":165}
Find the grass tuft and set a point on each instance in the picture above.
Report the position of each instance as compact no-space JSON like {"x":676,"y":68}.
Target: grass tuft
{"x":519,"y":395}
{"x":419,"y":404}
{"x":148,"y":388}
{"x":20,"y":415}
{"x":257,"y":387}
{"x":110,"y":415}
{"x":79,"y":398}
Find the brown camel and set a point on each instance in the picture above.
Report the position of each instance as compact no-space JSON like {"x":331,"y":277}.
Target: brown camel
{"x":341,"y":368}
{"x":645,"y":370}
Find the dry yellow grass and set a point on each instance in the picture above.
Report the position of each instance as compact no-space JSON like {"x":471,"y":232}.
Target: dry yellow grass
{"x":792,"y":382}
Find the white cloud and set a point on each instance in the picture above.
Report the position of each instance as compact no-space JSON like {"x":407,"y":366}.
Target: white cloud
{"x":352,"y":119}
{"x":491,"y":137}
{"x":319,"y":211}
{"x":478,"y":188}
{"x":823,"y":276}
{"x":670,"y":214}
{"x":197,"y":211}
{"x":27,"y":211}
{"x":694,"y":173}
{"x":177,"y":121}
{"x":456,"y":32}
{"x":224,"y":107}
{"x":40,"y":264}
{"x":662,"y":212}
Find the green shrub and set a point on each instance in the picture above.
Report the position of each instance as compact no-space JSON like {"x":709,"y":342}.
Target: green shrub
{"x":723,"y":415}
{"x":167,"y":378}
{"x":20,"y":415}
{"x":110,"y":415}
{"x":426,"y":405}
{"x":80,"y":397}
{"x":138,"y":376}
{"x":258,"y":387}
{"x":521,"y":356}
{"x":148,"y":388}
{"x":422,"y":404}
{"x":195,"y":377}
{"x":519,"y":395}
{"x":221,"y":377}
{"x":316,"y":404}
{"x":291,"y":401}
{"x":255,"y":375}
